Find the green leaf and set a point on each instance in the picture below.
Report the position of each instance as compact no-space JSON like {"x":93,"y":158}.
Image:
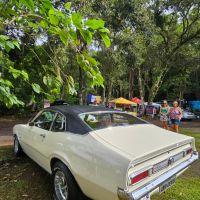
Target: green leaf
{"x":91,"y":59}
{"x":68,"y":5}
{"x":95,"y":23}
{"x":68,"y":20}
{"x":10,"y":44}
{"x":55,"y":91}
{"x":87,"y":36}
{"x":33,"y":98}
{"x":77,"y":20}
{"x":51,"y":12}
{"x":4,"y":37}
{"x":25,"y":75}
{"x":53,"y":17}
{"x":2,"y":44}
{"x":54,"y":20}
{"x":16,"y":43}
{"x":6,"y":96}
{"x":45,"y":80}
{"x":46,"y":4}
{"x":6,"y":83}
{"x":43,"y":24}
{"x":36,"y":88}
{"x":106,"y":39}
{"x":64,"y":36}
{"x":28,"y":3}
{"x":54,"y":30}
{"x":7,"y":48}
{"x":33,"y":25}
{"x":15,"y":73}
{"x":73,"y":35}
{"x":104,"y":30}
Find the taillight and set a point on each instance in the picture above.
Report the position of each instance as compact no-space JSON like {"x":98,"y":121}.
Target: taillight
{"x":139,"y":177}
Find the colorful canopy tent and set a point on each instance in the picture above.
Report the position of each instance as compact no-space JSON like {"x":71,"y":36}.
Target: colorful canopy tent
{"x":194,"y":105}
{"x":122,"y":101}
{"x":136,"y":100}
{"x":92,"y":98}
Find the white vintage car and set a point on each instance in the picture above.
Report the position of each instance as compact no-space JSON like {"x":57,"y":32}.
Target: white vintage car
{"x":103,"y":154}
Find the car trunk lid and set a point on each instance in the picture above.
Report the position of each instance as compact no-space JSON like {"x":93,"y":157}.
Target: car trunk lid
{"x":141,"y":140}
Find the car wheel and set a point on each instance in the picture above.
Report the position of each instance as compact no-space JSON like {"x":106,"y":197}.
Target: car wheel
{"x":65,"y":186}
{"x":17,"y":147}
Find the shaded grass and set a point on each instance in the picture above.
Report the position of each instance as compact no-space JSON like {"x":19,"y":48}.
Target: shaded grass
{"x":6,"y":153}
{"x":22,"y":179}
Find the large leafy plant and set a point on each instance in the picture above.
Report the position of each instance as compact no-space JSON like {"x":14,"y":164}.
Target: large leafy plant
{"x":67,"y":27}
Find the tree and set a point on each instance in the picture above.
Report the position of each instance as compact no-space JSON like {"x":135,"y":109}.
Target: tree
{"x":177,"y":24}
{"x":152,"y":35}
{"x":43,"y":18}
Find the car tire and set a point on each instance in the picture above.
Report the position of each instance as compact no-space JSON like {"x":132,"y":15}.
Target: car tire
{"x":64,"y":184}
{"x":17,"y":147}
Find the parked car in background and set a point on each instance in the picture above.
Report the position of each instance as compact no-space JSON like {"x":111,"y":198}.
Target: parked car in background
{"x":197,"y":113}
{"x":188,"y":115}
{"x":102,"y":153}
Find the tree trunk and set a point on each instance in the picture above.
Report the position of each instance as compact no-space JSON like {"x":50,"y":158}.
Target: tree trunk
{"x":104,"y":95}
{"x":62,"y":95}
{"x":80,"y":86}
{"x":131,"y":84}
{"x":120,"y":90}
{"x":110,"y":85}
{"x":140,"y":84}
{"x":181,"y":93}
{"x":154,"y":88}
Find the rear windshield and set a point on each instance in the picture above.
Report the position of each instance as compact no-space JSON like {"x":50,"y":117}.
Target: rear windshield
{"x":104,"y":120}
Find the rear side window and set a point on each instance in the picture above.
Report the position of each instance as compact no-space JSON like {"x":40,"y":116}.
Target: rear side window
{"x":104,"y":120}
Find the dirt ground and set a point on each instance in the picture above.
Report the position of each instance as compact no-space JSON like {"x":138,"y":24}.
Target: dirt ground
{"x":22,"y":179}
{"x":6,"y":125}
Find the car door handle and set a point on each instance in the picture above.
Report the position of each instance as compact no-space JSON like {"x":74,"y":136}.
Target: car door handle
{"x":43,"y":135}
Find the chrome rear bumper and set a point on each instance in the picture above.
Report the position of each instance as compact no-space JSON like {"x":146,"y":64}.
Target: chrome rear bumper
{"x":148,"y":188}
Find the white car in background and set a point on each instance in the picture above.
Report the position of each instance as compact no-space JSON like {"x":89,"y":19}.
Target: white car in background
{"x":188,"y":115}
{"x":102,"y":153}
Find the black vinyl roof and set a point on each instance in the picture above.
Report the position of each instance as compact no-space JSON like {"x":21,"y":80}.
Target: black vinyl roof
{"x":76,"y":109}
{"x":74,"y":123}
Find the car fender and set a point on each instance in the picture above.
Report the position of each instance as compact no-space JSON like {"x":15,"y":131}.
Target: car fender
{"x":61,"y":157}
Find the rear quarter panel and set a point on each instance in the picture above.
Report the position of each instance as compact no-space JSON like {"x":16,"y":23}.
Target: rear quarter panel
{"x":98,"y":170}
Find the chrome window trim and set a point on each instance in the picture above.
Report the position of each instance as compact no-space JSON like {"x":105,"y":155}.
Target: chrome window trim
{"x":103,"y":112}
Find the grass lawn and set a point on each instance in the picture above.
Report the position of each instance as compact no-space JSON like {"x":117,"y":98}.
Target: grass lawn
{"x":22,"y":179}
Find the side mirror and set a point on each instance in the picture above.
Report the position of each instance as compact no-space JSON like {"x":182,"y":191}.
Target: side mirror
{"x":31,"y":123}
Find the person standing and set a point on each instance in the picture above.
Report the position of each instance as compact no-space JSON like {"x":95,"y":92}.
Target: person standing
{"x":164,"y":114}
{"x":175,"y":115}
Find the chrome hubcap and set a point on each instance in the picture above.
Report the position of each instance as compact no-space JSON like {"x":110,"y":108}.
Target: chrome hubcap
{"x":16,"y":147}
{"x":60,"y":185}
